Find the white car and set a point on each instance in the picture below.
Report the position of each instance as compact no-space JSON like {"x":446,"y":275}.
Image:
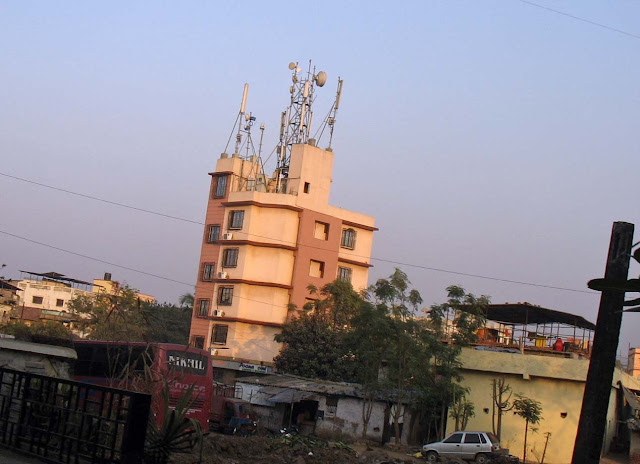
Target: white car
{"x":479,"y":447}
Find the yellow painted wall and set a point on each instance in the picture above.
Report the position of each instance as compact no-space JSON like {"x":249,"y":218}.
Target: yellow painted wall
{"x":556,"y":382}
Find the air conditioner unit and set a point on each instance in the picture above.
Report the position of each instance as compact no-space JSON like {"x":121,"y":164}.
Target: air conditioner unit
{"x":214,"y":352}
{"x":223,"y":275}
{"x":227,"y":236}
{"x":218,"y":313}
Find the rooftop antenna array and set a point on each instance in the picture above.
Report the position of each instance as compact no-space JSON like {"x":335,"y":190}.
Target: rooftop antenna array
{"x":244,"y":122}
{"x":295,"y":121}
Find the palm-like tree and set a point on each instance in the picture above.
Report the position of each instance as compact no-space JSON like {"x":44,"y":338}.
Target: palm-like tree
{"x":186,"y":300}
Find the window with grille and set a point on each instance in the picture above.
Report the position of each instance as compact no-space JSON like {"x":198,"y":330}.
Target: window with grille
{"x":348,"y":239}
{"x":197,"y":342}
{"x":225,"y":296}
{"x":208,"y":271}
{"x":59,"y":302}
{"x":203,"y":308}
{"x":221,"y":187}
{"x":344,"y":273}
{"x":37,"y":300}
{"x":219,"y":334}
{"x":236,"y":218}
{"x":230,"y":257}
{"x":214,"y":233}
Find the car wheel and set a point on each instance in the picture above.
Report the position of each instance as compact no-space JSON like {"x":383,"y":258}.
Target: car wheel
{"x":431,"y":456}
{"x":482,"y":459}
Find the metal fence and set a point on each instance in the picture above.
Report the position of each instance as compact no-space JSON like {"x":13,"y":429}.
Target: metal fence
{"x":71,"y":422}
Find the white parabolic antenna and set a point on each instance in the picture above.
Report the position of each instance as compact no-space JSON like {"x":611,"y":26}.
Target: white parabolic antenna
{"x":292,"y":66}
{"x":321,"y":78}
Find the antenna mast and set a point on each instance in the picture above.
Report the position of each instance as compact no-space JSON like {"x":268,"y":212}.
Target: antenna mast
{"x":295,"y":121}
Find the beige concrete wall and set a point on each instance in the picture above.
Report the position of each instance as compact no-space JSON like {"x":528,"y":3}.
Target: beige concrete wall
{"x":556,"y":382}
{"x":49,"y":291}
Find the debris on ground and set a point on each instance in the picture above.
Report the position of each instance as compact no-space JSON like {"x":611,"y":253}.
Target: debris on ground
{"x":293,"y":449}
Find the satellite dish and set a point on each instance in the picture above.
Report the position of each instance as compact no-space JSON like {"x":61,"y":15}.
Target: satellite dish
{"x":321,"y":78}
{"x":292,"y":66}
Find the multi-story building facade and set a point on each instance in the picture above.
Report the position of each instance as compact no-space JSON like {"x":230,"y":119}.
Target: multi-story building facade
{"x":265,"y":241}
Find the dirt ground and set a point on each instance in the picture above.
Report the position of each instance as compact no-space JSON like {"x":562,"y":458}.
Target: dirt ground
{"x":295,"y":449}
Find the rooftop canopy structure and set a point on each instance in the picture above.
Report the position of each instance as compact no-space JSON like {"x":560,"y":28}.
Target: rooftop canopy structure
{"x":535,"y":328}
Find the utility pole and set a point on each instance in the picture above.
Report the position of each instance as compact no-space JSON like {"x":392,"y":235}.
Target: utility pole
{"x":597,"y":390}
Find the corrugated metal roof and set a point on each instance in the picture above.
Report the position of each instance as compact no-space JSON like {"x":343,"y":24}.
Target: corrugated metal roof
{"x":276,"y":383}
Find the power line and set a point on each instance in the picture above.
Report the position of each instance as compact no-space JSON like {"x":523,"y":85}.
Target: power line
{"x":83,"y":195}
{"x":593,"y":23}
{"x":418,"y":266}
{"x":263,"y":302}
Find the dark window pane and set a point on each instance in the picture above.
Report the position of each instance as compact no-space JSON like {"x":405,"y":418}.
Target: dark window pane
{"x":225,"y":296}
{"x":348,"y":239}
{"x":236,"y":218}
{"x":208,"y":271}
{"x":455,"y":438}
{"x":219,"y":335}
{"x":230,"y":257}
{"x":214,"y":234}
{"x":472,"y":438}
{"x":203,"y":308}
{"x":221,"y":187}
{"x":344,"y":273}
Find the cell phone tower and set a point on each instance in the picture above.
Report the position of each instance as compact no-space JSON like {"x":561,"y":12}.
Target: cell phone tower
{"x":296,"y":120}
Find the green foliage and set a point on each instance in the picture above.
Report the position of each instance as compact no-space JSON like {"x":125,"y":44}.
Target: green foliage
{"x":122,"y":316}
{"x":178,"y":433}
{"x":186,"y":301}
{"x":47,"y":332}
{"x":531,"y":411}
{"x":377,"y":340}
{"x":314,"y":348}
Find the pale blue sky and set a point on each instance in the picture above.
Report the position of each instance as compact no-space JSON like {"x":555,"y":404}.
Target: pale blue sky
{"x":487,"y":137}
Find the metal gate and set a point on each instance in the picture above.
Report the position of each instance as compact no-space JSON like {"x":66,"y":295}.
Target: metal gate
{"x":71,"y":422}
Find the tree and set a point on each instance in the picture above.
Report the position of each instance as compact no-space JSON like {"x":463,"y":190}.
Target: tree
{"x":407,"y":349}
{"x":122,"y":316}
{"x":314,"y":348}
{"x":462,"y":410}
{"x":368,"y":341}
{"x":186,"y":301}
{"x":500,"y":403}
{"x":531,"y":411}
{"x":47,"y":332}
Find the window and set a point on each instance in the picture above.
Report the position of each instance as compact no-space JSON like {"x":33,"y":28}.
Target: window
{"x":203,"y":308}
{"x":214,"y":234}
{"x":348,"y":239}
{"x":455,"y":438}
{"x":332,"y":406}
{"x":344,"y":273}
{"x":236,"y":218}
{"x":321,"y":230}
{"x":225,"y":296}
{"x":471,"y":438}
{"x":219,"y":334}
{"x":316,"y":269}
{"x":306,"y":187}
{"x":221,"y":187}
{"x":197,"y":342}
{"x":230,"y":257}
{"x":208,"y":271}
{"x":59,"y":303}
{"x":37,"y":299}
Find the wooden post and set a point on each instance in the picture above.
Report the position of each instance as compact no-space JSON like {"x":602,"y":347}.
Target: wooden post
{"x":597,"y":390}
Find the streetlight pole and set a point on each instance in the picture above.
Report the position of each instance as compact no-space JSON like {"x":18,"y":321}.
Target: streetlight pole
{"x":597,"y":390}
